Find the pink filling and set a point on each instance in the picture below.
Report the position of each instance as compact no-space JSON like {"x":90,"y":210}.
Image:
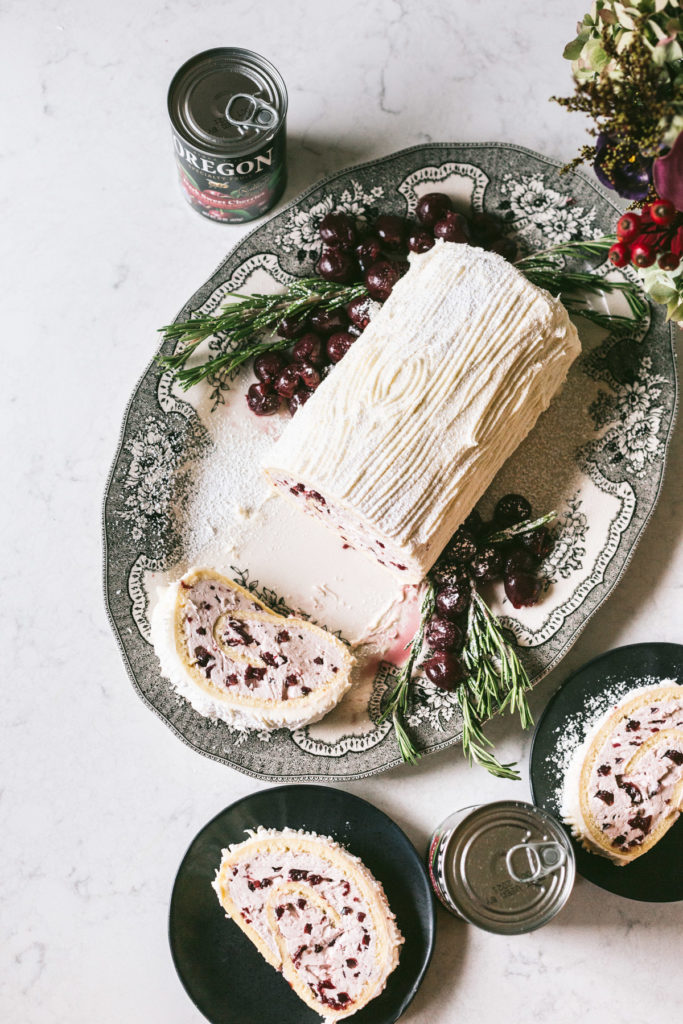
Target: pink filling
{"x":335,"y":961}
{"x":353,"y":533}
{"x":629,"y":806}
{"x":288,"y":662}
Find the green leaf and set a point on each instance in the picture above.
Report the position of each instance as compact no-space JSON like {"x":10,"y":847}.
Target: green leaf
{"x":572,"y":51}
{"x":595,"y":54}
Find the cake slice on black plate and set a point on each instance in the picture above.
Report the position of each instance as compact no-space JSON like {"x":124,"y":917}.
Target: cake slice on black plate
{"x":315,"y":913}
{"x":624,"y":787}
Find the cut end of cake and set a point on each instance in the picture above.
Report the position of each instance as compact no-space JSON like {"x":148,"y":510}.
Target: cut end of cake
{"x":237,"y":661}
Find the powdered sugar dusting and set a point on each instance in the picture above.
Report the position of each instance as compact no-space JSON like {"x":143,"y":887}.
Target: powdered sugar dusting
{"x":575,"y":729}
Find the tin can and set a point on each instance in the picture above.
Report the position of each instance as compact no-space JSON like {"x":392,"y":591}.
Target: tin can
{"x":228,"y":110}
{"x":507,"y":867}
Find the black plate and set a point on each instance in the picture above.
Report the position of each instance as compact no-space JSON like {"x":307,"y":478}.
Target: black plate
{"x":657,"y":875}
{"x":222,"y":971}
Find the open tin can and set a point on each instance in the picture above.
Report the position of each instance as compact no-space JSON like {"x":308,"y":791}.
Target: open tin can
{"x":507,"y":867}
{"x":228,"y":110}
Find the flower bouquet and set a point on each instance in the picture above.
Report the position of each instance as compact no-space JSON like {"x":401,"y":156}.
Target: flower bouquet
{"x":627,"y":61}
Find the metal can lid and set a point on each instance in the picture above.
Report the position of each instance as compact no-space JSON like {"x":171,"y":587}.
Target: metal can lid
{"x":227,"y":101}
{"x":509,"y":867}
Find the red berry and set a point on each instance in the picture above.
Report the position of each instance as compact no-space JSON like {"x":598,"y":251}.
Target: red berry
{"x":336,"y":265}
{"x":522,"y":589}
{"x":391,"y":231}
{"x":620,"y":254}
{"x":299,"y":398}
{"x":452,"y":228}
{"x":360,"y":310}
{"x":287,"y":381}
{"x":338,"y":230}
{"x":262,"y":400}
{"x":338,"y":345}
{"x":662,"y":212}
{"x":327,"y":321}
{"x":432,"y":207}
{"x":267,"y":366}
{"x":420,"y":240}
{"x":444,"y":670}
{"x":442,"y":634}
{"x":368,"y":252}
{"x":309,"y":376}
{"x":309,"y":349}
{"x":291,"y":327}
{"x":642,"y":254}
{"x":381,"y":278}
{"x":452,"y":600}
{"x":669,"y":261}
{"x":628,"y":228}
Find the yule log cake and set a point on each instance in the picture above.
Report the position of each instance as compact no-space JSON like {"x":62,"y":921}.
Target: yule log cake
{"x":315,"y":913}
{"x":401,"y":440}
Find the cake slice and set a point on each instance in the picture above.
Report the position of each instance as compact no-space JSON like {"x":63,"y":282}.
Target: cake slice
{"x":234,"y":659}
{"x":624,"y":787}
{"x":401,"y":440}
{"x":315,"y":913}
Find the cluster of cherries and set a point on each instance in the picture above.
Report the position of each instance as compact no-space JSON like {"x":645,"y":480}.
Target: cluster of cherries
{"x":469,"y":559}
{"x":375,"y":256}
{"x":653,"y":234}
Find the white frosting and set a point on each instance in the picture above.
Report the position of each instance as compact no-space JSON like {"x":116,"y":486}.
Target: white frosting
{"x":406,"y":434}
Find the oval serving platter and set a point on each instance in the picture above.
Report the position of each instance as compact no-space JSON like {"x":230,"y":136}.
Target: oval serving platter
{"x":185,"y":486}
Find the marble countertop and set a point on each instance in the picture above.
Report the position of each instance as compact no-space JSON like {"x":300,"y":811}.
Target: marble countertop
{"x":99,"y":800}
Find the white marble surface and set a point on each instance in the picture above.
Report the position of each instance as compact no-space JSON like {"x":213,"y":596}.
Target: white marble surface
{"x":98,"y":799}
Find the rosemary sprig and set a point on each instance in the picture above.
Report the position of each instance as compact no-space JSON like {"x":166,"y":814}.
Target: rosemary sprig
{"x":526,"y":526}
{"x":242,"y":321}
{"x":397,"y":704}
{"x":589,"y":247}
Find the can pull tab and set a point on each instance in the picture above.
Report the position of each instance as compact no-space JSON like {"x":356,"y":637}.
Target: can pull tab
{"x":259,"y":114}
{"x":540,"y":859}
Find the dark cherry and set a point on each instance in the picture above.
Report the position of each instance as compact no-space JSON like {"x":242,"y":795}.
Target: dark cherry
{"x":539,"y":542}
{"x":299,"y":398}
{"x":336,"y":265}
{"x":368,"y":252}
{"x":432,"y":207}
{"x":309,"y":376}
{"x":262,"y":400}
{"x":505,"y":247}
{"x":381,"y":278}
{"x":442,"y":634}
{"x":327,"y":321}
{"x":291,"y":327}
{"x":452,"y":228}
{"x":487,"y":564}
{"x":338,"y":231}
{"x":267,"y":366}
{"x":309,"y":349}
{"x":444,"y":670}
{"x":641,"y":821}
{"x":391,"y":231}
{"x":462,"y":547}
{"x":474,"y":523}
{"x":454,"y":599}
{"x":519,"y":559}
{"x":359,"y":311}
{"x":522,"y":589}
{"x":511,"y":509}
{"x":420,"y":240}
{"x":287,"y":381}
{"x":606,"y":796}
{"x":338,"y":345}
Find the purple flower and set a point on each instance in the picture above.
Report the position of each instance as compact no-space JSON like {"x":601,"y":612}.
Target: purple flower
{"x":668,"y":174}
{"x":631,"y":178}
